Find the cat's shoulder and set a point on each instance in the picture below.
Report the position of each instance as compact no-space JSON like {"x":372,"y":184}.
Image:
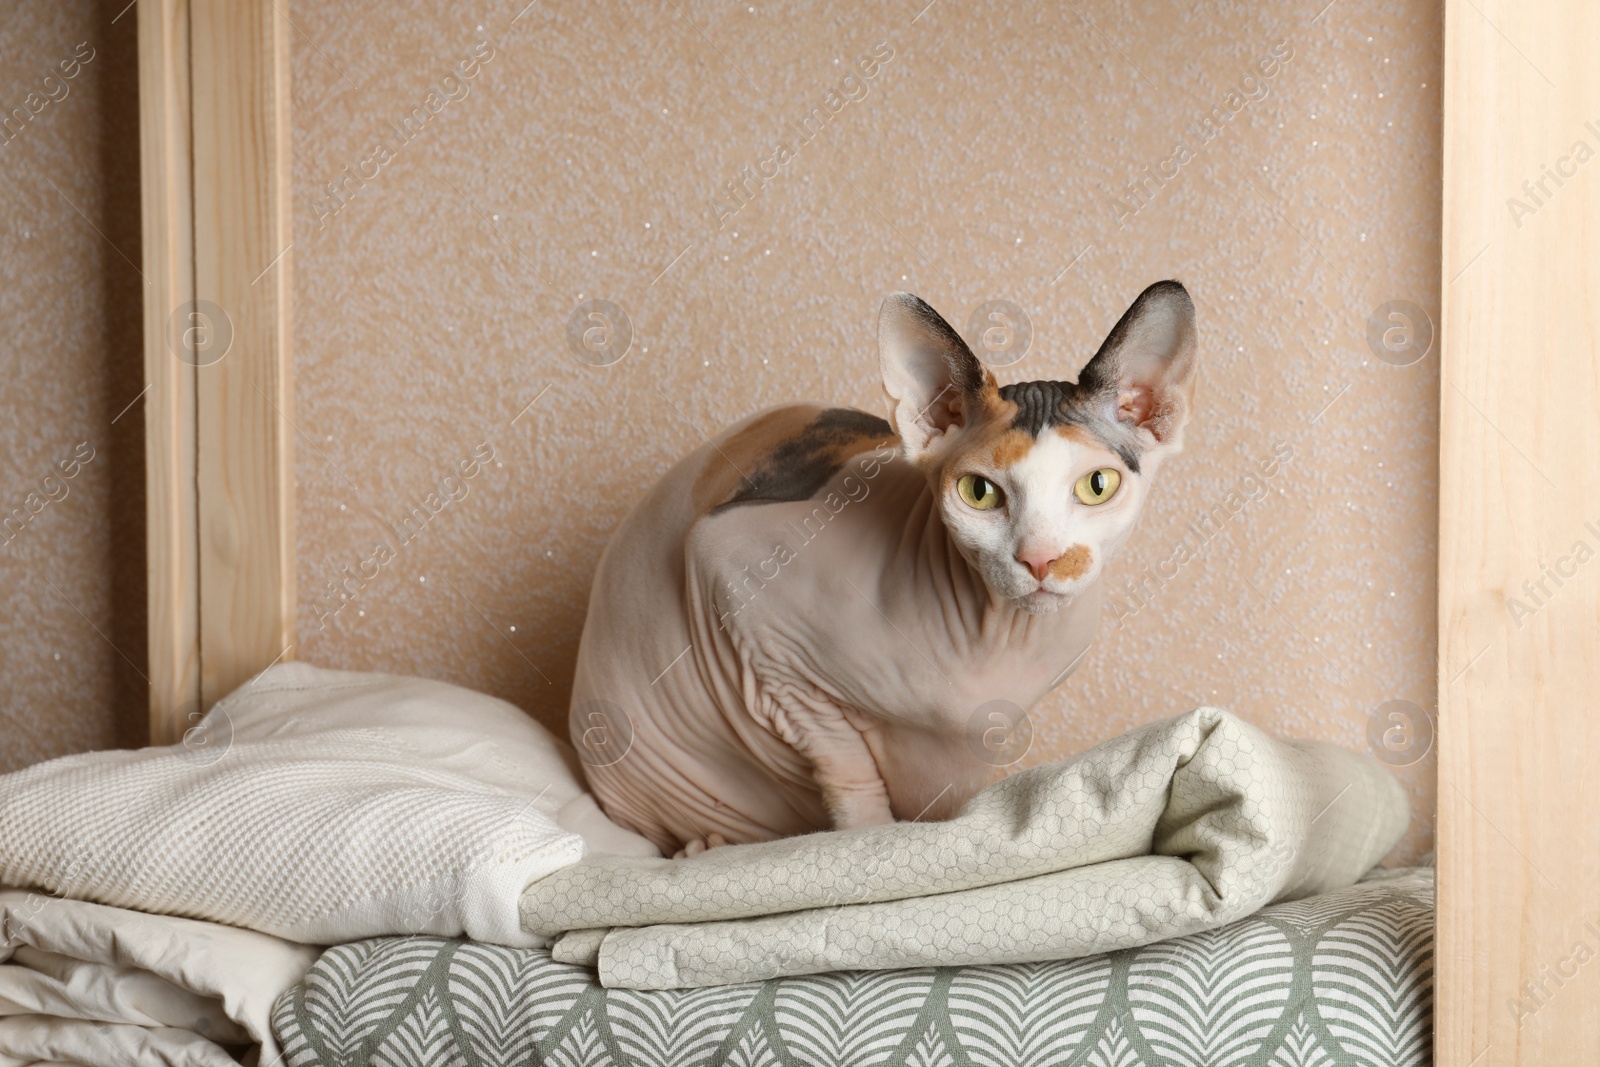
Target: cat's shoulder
{"x":784,"y":454}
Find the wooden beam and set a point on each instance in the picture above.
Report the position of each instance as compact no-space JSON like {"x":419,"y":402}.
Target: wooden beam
{"x":1519,"y":601}
{"x":169,"y":413}
{"x":240,"y":65}
{"x":214,"y":109}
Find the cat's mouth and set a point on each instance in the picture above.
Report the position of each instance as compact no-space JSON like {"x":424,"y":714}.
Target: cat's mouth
{"x":1042,"y":601}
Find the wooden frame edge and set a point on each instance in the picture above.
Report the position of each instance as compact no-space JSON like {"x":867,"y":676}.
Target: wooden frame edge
{"x":171,"y":509}
{"x":215,"y":143}
{"x":1519,"y":487}
{"x":239,"y":58}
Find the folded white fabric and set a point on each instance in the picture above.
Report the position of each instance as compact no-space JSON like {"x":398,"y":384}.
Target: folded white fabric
{"x":1177,"y":827}
{"x":322,"y":806}
{"x":88,"y":984}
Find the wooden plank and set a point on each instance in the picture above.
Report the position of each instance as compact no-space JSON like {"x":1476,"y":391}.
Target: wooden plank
{"x":168,"y":254}
{"x":1518,"y":844}
{"x":245,"y":473}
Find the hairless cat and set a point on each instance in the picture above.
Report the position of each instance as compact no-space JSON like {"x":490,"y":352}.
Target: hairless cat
{"x":808,"y":621}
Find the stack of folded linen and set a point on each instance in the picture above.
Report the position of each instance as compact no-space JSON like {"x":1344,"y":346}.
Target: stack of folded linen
{"x":1339,"y":978}
{"x":1176,"y":827}
{"x":332,"y":807}
{"x":89,"y":984}
{"x":1098,"y":911}
{"x":325,"y":807}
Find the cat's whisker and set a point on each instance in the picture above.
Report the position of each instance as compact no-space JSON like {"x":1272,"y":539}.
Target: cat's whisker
{"x":535,"y":400}
{"x":1057,"y":680}
{"x":934,"y":801}
{"x":671,"y":665}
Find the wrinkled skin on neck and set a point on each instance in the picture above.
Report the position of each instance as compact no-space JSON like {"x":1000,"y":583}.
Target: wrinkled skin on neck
{"x":835,"y":667}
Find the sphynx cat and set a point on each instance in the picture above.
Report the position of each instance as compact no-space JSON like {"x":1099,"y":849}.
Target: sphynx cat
{"x":801,"y":625}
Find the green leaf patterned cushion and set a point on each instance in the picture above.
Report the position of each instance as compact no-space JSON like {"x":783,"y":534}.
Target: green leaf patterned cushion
{"x":1342,"y":979}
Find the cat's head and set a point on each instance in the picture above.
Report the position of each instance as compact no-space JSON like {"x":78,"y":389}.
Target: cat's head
{"x":1039,"y":483}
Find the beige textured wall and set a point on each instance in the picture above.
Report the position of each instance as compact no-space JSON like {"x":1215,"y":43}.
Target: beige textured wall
{"x":72,"y":599}
{"x":989,"y":158}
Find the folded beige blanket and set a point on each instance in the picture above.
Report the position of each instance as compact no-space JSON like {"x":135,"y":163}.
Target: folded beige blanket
{"x":1182,"y":825}
{"x":318,"y":806}
{"x":84,"y":983}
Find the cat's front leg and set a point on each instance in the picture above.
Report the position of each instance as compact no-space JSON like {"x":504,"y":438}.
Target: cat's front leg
{"x":699,"y":845}
{"x":852,"y":787}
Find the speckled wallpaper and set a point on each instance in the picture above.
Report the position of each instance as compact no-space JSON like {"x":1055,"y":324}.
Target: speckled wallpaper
{"x":542,"y":248}
{"x":72,"y":575}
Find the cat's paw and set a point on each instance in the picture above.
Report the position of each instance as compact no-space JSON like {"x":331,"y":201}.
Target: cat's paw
{"x":699,"y":845}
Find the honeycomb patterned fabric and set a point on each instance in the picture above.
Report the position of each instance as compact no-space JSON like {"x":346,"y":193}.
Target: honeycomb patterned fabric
{"x":1339,"y":980}
{"x":1180,"y":826}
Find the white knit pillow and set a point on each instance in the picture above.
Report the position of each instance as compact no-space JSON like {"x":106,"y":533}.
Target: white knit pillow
{"x":319,"y":806}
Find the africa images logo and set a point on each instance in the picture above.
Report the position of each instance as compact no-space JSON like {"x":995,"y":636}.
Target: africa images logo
{"x":1253,"y":86}
{"x":751,"y":179}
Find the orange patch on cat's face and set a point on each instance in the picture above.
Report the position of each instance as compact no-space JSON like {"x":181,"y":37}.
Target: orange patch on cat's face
{"x":994,"y":409}
{"x":1088,"y":439}
{"x":1072,"y":563}
{"x":988,"y":437}
{"x":1010,"y":448}
{"x":1077,"y":434}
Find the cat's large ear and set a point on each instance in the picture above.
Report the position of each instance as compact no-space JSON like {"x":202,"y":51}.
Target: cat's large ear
{"x":1145,"y":370}
{"x":935,"y":384}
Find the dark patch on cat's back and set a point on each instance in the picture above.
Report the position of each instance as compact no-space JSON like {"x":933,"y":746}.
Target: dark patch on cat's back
{"x":797,"y":467}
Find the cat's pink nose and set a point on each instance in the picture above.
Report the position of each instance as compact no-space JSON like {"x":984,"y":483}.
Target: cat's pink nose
{"x":1037,"y":560}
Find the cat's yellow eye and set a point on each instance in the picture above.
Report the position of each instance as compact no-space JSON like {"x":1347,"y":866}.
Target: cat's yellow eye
{"x":979,"y":492}
{"x":1097,"y":487}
